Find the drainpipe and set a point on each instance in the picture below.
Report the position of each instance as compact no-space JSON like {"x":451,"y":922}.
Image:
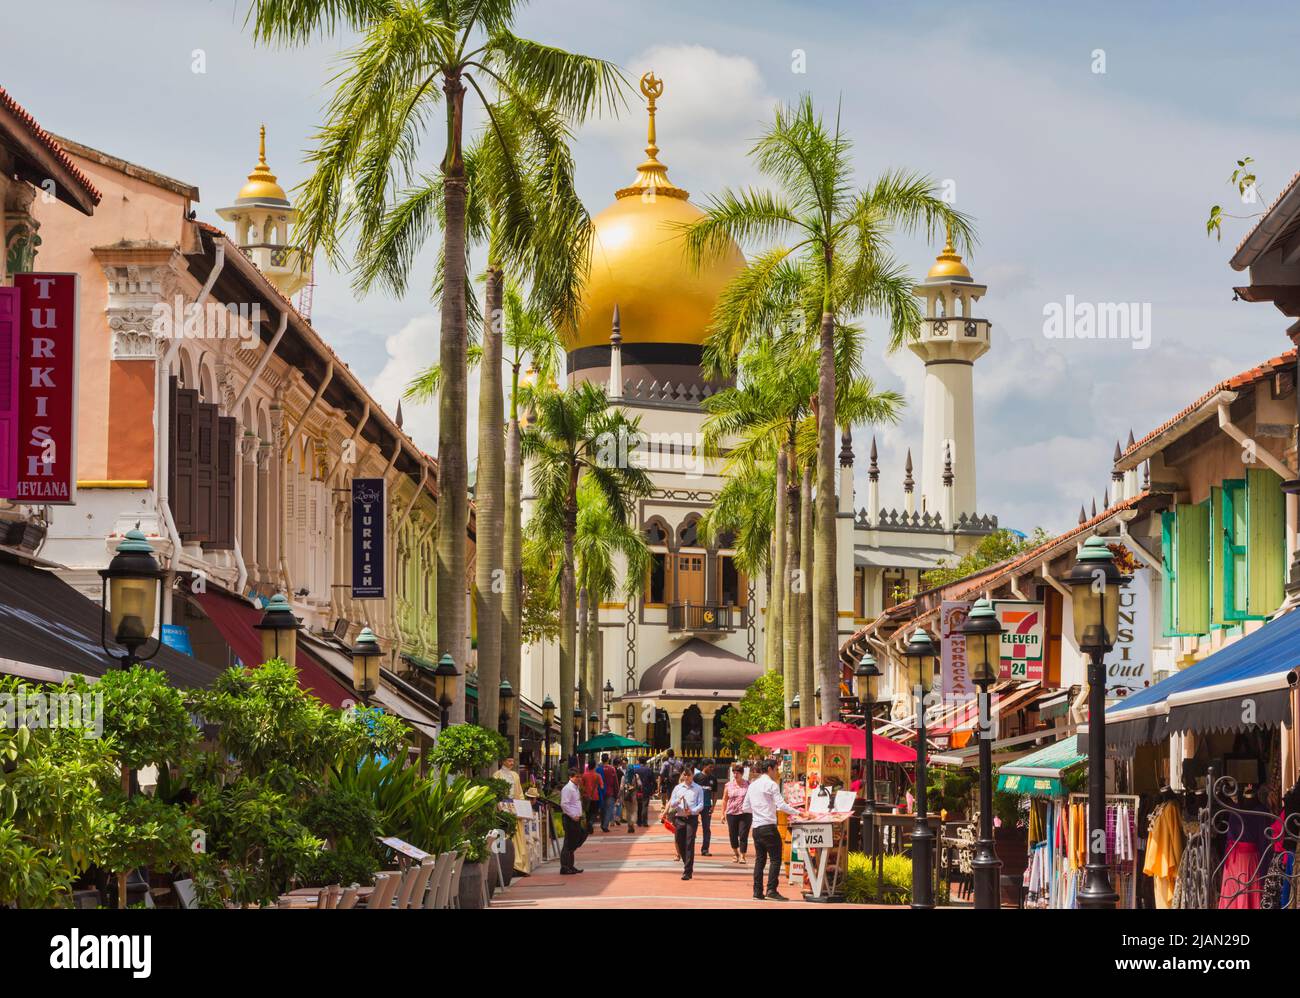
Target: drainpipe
{"x":162,"y":452}
{"x":356,"y":433}
{"x":1143,"y":555}
{"x":262,"y":361}
{"x":1231,"y":429}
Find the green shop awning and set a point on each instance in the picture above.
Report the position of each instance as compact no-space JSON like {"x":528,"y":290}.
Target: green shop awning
{"x":607,"y":740}
{"x":1039,"y":773}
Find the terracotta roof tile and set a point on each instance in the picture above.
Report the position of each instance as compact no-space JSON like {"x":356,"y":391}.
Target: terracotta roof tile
{"x":1290,"y":185}
{"x":47,"y":140}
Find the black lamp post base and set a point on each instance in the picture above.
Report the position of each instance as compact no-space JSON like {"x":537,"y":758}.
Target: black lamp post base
{"x":986,"y":870}
{"x":1096,"y":891}
{"x":922,"y":868}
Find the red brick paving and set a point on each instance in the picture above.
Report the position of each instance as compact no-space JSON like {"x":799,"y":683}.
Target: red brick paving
{"x":641,"y":871}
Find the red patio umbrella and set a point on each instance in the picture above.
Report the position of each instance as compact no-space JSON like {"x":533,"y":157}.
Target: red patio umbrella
{"x":836,"y":733}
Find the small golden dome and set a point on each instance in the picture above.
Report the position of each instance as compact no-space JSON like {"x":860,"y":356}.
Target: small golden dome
{"x":948,"y":264}
{"x":639,"y":263}
{"x":261,"y":184}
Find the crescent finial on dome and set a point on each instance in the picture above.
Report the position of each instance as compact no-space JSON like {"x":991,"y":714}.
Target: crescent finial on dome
{"x":651,"y":176}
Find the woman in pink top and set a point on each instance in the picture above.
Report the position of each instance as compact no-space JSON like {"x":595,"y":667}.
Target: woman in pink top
{"x":733,"y":806}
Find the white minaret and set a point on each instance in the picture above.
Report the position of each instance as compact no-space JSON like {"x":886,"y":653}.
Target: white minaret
{"x":951,"y":340}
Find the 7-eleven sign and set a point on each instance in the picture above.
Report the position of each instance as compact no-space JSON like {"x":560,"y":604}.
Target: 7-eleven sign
{"x":1023,"y":639}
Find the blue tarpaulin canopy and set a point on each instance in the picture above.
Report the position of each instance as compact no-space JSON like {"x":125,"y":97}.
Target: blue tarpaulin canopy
{"x":1244,"y":685}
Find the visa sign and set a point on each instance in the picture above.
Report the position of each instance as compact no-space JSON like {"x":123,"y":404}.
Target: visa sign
{"x":1023,"y":639}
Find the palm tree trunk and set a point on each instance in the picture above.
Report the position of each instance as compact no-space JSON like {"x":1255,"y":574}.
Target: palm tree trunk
{"x":582,"y":671}
{"x":512,"y":598}
{"x":793,"y":590}
{"x":776,"y":606}
{"x":568,"y":636}
{"x":489,"y":570}
{"x":596,"y":652}
{"x":453,"y":484}
{"x":827,"y":614}
{"x":807,"y":671}
{"x":769,"y":632}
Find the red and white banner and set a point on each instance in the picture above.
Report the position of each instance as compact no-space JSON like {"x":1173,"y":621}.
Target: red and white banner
{"x":46,"y":457}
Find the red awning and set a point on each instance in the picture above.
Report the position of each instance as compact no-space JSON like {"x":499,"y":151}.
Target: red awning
{"x":235,"y":619}
{"x":836,"y":733}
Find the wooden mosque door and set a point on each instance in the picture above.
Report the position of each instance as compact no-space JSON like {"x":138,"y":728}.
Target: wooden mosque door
{"x":690,"y":579}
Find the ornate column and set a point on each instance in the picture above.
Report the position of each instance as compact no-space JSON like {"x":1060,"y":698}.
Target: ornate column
{"x":264,"y":513}
{"x":248,"y":482}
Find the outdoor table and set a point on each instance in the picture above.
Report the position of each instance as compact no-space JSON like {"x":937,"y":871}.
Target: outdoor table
{"x":900,"y":823}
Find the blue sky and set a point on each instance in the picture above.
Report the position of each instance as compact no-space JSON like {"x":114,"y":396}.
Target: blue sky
{"x":1086,"y":184}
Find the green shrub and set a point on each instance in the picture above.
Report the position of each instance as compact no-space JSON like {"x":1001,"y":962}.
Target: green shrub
{"x":468,"y":749}
{"x":860,"y":885}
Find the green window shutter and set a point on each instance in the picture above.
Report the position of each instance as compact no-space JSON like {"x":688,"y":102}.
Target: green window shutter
{"x":1169,"y":558}
{"x":1234,"y":549}
{"x":1218,"y":586}
{"x":1265,"y":542}
{"x":1192,"y":566}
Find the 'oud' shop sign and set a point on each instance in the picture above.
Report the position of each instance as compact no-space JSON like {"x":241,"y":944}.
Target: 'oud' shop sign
{"x":368,"y":520}
{"x":40,"y":417}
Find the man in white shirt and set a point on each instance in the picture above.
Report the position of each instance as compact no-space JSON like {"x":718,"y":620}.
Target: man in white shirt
{"x":763,"y":800}
{"x":574,"y":833}
{"x":685,"y":805}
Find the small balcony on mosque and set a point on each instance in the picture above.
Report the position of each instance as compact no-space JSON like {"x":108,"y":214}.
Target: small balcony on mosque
{"x":704,"y":618}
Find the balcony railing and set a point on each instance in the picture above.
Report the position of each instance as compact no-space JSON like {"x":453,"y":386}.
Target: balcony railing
{"x":704,"y":617}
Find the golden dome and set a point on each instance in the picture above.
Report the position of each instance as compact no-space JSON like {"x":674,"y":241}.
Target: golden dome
{"x":638,"y":261}
{"x":948,"y":264}
{"x":261,"y":184}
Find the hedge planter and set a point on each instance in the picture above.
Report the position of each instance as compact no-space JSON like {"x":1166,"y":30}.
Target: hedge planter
{"x":471,"y":884}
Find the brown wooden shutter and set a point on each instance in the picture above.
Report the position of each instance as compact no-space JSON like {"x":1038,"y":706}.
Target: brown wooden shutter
{"x":182,"y":455}
{"x":205,"y":474}
{"x":223,"y":527}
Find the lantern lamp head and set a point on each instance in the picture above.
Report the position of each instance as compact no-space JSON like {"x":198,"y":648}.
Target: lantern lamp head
{"x":366,"y":655}
{"x":983,"y":633}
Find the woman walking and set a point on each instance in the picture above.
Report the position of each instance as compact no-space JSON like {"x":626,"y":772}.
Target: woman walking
{"x":733,"y":806}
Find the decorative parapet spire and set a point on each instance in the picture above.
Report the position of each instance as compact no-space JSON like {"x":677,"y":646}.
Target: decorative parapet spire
{"x":1130,"y":439}
{"x":615,"y":390}
{"x":846,"y":449}
{"x":908,"y":483}
{"x":1105,"y":499}
{"x":1146,"y":476}
{"x":1083,"y":516}
{"x":947,"y":465}
{"x":398,"y":419}
{"x":1094,"y":507}
{"x":651,"y":176}
{"x":1115,"y":474}
{"x":873,"y":470}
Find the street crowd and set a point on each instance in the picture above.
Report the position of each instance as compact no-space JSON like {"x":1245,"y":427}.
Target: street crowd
{"x":618,"y":792}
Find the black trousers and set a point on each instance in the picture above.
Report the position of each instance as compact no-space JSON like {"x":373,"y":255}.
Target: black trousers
{"x":738,"y":830}
{"x":706,"y":826}
{"x":643,"y":809}
{"x":574,"y":836}
{"x":767,"y":848}
{"x":685,"y":836}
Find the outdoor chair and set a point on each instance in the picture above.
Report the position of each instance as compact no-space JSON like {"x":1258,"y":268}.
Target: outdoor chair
{"x":329,"y":896}
{"x":437,"y":896}
{"x":421,"y":884}
{"x":186,"y":896}
{"x":453,"y":890}
{"x":385,"y":887}
{"x":349,"y":898}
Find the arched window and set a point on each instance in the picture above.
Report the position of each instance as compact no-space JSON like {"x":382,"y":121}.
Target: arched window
{"x":693,"y":730}
{"x":688,"y":532}
{"x":718,"y":717}
{"x":663,"y":733}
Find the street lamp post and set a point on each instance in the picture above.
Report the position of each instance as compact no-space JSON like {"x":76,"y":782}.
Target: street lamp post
{"x":983,"y":633}
{"x":608,"y":690}
{"x":548,"y":718}
{"x":866,"y":677}
{"x":279,"y":629}
{"x":129,"y":591}
{"x":506,"y":697}
{"x":444,"y":687}
{"x":130,"y":588}
{"x":921,"y":654}
{"x":1095,"y":582}
{"x":365,"y":665}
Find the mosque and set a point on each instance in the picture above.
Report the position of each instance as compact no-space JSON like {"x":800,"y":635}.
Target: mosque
{"x":680,"y":655}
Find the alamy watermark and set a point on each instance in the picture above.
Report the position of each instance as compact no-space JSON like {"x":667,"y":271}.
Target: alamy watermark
{"x":1082,"y":320}
{"x":179,"y":319}
{"x":53,"y":710}
{"x":683,"y":452}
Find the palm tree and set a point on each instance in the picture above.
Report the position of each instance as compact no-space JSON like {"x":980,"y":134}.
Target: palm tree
{"x":414,"y":55}
{"x":771,"y":416}
{"x":576,"y":437}
{"x":843,"y":233}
